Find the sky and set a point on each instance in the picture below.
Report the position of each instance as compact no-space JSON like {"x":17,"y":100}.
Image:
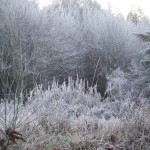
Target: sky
{"x":122,"y":6}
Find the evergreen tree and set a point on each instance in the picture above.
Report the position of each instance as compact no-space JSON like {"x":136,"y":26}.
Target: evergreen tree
{"x":146,"y":62}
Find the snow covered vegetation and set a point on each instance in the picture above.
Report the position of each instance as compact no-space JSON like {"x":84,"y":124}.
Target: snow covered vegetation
{"x":73,"y":76}
{"x":65,"y":117}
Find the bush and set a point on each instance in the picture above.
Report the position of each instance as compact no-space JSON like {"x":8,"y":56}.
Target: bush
{"x":64,"y":116}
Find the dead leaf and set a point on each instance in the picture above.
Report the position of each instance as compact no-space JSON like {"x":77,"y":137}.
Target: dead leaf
{"x":112,"y":138}
{"x":14,"y":135}
{"x":2,"y":144}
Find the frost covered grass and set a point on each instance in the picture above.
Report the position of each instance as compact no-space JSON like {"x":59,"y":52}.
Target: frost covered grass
{"x":68,"y":116}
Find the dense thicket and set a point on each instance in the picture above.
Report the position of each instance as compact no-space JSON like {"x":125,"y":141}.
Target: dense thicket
{"x":67,"y":38}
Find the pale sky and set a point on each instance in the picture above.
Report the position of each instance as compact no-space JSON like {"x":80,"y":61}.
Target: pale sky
{"x":123,"y":6}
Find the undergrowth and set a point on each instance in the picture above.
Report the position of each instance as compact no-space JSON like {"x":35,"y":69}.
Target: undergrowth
{"x":70,"y":117}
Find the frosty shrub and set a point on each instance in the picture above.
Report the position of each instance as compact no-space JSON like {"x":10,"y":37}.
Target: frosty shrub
{"x":65,"y":116}
{"x":16,"y":124}
{"x":118,"y":85}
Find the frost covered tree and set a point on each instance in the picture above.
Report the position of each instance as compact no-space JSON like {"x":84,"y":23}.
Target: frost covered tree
{"x":64,"y":39}
{"x":135,"y":15}
{"x":17,"y":45}
{"x":81,"y":38}
{"x":146,"y":62}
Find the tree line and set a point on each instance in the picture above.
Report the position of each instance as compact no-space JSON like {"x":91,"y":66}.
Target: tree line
{"x":68,"y":38}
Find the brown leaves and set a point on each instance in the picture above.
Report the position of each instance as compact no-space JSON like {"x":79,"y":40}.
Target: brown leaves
{"x":112,"y":138}
{"x":14,"y":135}
{"x":56,"y":148}
{"x":11,"y":136}
{"x":113,"y":143}
{"x":2,"y":144}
